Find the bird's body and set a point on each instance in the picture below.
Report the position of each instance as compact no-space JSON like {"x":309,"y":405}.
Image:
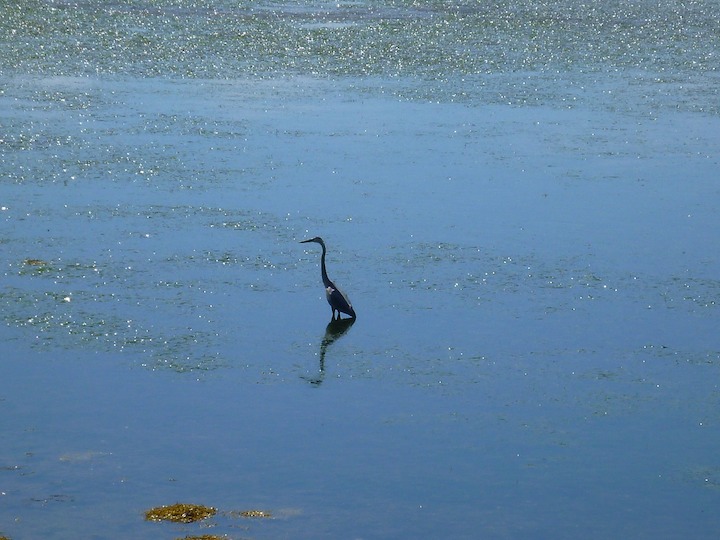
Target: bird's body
{"x":338,"y":300}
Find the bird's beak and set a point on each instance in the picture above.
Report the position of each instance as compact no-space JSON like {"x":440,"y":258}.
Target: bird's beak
{"x":305,"y":241}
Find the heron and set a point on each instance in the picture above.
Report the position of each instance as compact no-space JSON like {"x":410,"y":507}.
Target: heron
{"x":337,"y":299}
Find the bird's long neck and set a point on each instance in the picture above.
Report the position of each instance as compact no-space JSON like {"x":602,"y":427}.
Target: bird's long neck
{"x":325,"y":278}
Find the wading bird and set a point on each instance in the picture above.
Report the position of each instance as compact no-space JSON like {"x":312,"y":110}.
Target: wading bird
{"x":337,"y":299}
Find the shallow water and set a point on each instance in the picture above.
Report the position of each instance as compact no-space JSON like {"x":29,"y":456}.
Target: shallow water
{"x":530,"y":243}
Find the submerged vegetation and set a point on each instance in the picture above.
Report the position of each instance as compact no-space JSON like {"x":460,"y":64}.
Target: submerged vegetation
{"x":435,"y":41}
{"x":190,"y":513}
{"x":203,"y":537}
{"x":180,"y":513}
{"x":256,"y":514}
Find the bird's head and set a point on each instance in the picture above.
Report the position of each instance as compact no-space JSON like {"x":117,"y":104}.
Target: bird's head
{"x":317,"y":240}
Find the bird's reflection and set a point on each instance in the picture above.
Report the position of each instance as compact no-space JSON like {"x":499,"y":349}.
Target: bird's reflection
{"x":334,"y":331}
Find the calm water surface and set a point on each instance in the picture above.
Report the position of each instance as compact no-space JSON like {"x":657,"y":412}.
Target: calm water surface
{"x":521,"y":199}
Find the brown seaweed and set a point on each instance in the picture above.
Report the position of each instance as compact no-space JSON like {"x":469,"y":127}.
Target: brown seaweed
{"x":180,"y":513}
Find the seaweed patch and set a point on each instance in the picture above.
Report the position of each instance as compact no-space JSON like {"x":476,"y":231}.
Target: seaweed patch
{"x":255,"y":514}
{"x":180,"y":513}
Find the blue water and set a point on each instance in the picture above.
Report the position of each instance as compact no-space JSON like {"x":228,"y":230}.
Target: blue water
{"x":521,"y":200}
